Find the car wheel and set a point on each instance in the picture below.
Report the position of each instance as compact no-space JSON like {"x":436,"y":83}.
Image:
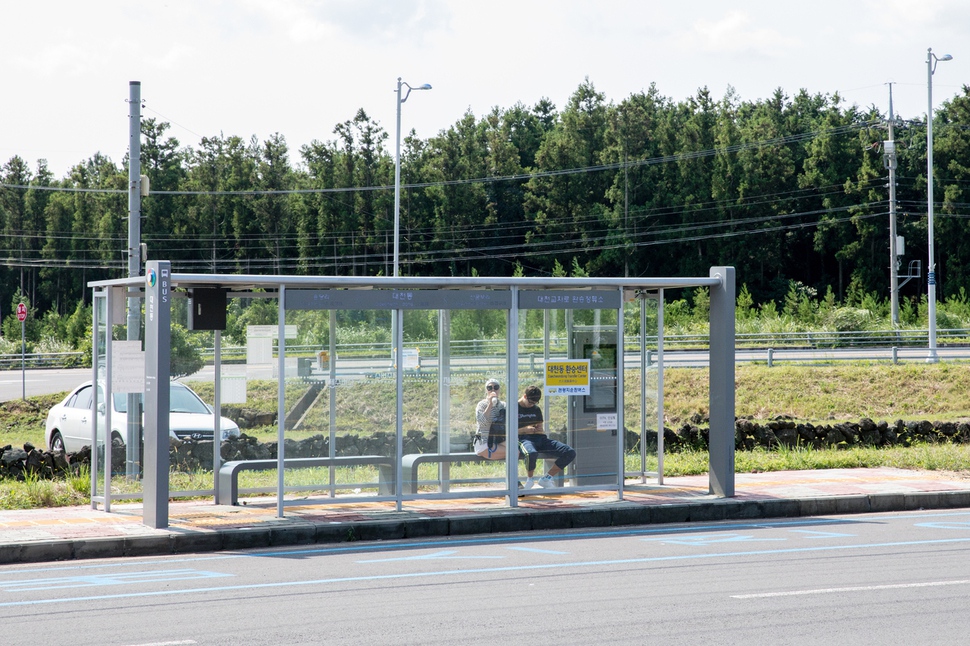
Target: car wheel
{"x":57,"y":442}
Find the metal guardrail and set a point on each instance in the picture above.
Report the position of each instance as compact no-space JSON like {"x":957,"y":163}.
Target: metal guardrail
{"x":813,"y":340}
{"x":773,"y":347}
{"x":42,"y":360}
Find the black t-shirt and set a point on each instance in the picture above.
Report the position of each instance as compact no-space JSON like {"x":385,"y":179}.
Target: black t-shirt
{"x":529,"y":416}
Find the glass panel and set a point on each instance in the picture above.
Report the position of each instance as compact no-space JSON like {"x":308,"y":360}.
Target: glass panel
{"x":460,"y":351}
{"x":579,"y":430}
{"x":340,"y":403}
{"x":592,"y":422}
{"x":126,"y":408}
{"x":641,"y":387}
{"x":84,"y":401}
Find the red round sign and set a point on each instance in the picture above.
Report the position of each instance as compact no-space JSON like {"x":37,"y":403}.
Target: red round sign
{"x":21,"y":312}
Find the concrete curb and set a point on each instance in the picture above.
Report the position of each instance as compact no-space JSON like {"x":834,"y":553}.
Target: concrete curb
{"x":296,"y":531}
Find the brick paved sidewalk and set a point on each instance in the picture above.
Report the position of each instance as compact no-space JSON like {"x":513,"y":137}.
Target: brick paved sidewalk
{"x":81,"y":532}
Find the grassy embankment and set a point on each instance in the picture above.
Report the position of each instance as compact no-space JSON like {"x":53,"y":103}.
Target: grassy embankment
{"x":817,"y":394}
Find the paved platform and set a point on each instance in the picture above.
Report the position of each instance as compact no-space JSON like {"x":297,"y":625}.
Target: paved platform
{"x":65,"y":533}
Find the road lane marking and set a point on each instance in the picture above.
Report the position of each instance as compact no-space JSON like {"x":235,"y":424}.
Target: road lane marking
{"x":965,"y":525}
{"x":116,"y":578}
{"x":711,"y":539}
{"x":536,"y":550}
{"x":447,"y":554}
{"x":10,"y":570}
{"x":480,"y":570}
{"x":861,"y":588}
{"x":812,"y":534}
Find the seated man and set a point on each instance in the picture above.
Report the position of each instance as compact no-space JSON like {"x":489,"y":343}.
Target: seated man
{"x":533,"y":440}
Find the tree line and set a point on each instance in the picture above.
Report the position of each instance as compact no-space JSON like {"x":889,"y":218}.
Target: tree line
{"x":790,"y":190}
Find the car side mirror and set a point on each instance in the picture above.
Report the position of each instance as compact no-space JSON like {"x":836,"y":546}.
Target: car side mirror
{"x":101,"y":408}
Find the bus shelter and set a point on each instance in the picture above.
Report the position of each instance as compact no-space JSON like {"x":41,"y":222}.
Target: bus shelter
{"x":377,"y":379}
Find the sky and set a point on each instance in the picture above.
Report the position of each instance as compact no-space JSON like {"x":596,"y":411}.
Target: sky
{"x":299,"y":67}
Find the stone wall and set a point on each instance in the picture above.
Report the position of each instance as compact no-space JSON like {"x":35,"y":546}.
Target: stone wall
{"x":18,"y":463}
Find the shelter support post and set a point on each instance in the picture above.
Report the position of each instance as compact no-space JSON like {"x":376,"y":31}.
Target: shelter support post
{"x":158,"y":343}
{"x":722,"y":383}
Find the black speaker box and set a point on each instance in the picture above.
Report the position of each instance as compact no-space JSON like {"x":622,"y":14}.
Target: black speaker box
{"x":207,"y":308}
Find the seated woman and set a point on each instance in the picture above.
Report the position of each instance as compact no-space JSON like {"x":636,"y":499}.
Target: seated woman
{"x":490,"y":414}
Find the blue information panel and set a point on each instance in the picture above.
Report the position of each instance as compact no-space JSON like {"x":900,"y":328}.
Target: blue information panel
{"x":569,"y":300}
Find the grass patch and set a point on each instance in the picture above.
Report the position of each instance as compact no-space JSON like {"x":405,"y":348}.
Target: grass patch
{"x":821,"y":394}
{"x":951,"y":459}
{"x":34,"y":492}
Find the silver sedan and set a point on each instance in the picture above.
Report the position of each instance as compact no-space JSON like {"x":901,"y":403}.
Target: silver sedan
{"x":68,"y":425}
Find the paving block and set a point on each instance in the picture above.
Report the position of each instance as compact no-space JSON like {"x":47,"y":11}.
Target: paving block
{"x":424,"y":527}
{"x":852,"y":505}
{"x":520,"y":521}
{"x":297,"y":533}
{"x":335,"y":532}
{"x":149,"y":545}
{"x":471,"y":524}
{"x":631,"y":515}
{"x":544,"y":520}
{"x":99,"y":548}
{"x":671,"y":513}
{"x":245,"y":538}
{"x":590,"y":517}
{"x":194,"y":541}
{"x":380,"y":530}
{"x":51,"y":551}
{"x":779,"y":508}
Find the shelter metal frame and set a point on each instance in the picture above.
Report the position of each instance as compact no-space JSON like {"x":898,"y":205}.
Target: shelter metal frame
{"x":721,"y":282}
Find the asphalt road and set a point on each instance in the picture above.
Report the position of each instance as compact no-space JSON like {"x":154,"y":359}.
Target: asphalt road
{"x":14,"y":383}
{"x":861,"y":579}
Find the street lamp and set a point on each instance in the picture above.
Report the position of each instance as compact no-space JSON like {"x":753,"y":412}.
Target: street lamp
{"x":931,"y":61}
{"x":397,"y":170}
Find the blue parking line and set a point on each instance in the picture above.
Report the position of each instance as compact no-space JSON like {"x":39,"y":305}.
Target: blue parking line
{"x":489,"y":540}
{"x":466,"y":572}
{"x":117,"y":578}
{"x":536,"y":550}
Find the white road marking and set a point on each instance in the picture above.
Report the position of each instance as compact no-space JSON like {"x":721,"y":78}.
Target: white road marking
{"x":863,"y":588}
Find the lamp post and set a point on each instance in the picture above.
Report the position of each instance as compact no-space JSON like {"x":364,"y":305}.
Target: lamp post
{"x":931,"y":61}
{"x":397,"y":170}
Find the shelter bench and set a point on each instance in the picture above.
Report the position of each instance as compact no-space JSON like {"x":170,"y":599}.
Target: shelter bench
{"x":229,"y":472}
{"x":411,"y":462}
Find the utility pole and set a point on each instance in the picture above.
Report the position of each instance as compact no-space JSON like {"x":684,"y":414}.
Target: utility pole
{"x":889,"y":162}
{"x":133,"y":437}
{"x":134,"y":203}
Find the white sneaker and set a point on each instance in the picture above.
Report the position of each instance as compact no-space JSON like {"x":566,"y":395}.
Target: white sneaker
{"x":529,"y":483}
{"x":546,"y":482}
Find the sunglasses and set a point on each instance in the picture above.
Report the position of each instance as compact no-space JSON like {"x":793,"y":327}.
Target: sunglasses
{"x":492,"y":387}
{"x":533,"y":400}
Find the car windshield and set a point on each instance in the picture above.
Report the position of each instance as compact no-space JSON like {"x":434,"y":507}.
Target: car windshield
{"x":181,"y":400}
